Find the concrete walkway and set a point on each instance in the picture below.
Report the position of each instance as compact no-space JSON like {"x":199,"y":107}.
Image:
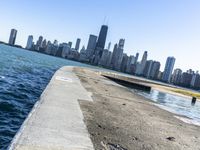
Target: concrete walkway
{"x":56,"y":121}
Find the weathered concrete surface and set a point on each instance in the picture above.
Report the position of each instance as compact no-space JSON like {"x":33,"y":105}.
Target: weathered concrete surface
{"x":56,"y":121}
{"x":118,"y":116}
{"x":114,"y":116}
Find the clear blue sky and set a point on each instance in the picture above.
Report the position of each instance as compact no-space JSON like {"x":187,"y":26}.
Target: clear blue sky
{"x":162,"y":27}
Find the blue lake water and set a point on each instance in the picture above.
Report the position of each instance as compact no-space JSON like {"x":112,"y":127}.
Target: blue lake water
{"x":23,"y":77}
{"x":176,"y":104}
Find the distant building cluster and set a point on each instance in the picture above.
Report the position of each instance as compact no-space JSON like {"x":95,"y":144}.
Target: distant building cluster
{"x":189,"y":79}
{"x":96,"y":53}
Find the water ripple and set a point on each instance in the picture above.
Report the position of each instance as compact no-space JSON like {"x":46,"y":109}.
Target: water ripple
{"x":23,"y":77}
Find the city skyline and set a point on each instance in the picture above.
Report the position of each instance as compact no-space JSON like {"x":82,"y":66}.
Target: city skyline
{"x":164,"y":28}
{"x":97,"y":54}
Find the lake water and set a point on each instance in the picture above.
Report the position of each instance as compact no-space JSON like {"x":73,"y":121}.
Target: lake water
{"x":23,"y":77}
{"x":176,"y":104}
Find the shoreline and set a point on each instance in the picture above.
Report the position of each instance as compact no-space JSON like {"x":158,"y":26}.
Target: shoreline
{"x":110,"y":70}
{"x":81,"y":109}
{"x":159,"y":86}
{"x":119,"y":117}
{"x":170,"y":90}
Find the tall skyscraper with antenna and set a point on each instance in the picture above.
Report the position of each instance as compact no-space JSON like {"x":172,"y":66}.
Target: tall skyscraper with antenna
{"x":102,"y":37}
{"x":100,"y":44}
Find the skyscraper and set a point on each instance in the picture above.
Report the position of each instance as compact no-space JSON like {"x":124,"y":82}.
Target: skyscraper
{"x":151,"y":69}
{"x":105,"y":58}
{"x":44,"y":44}
{"x":78,"y":41}
{"x":124,"y":63}
{"x":121,"y":43}
{"x":155,"y":70}
{"x":140,"y":67}
{"x":148,"y":68}
{"x":118,"y":55}
{"x":114,"y":55}
{"x":100,"y":44}
{"x":176,"y":76}
{"x":39,"y":43}
{"x":109,"y":45}
{"x":92,"y":42}
{"x":130,"y":63}
{"x":29,"y":42}
{"x":136,"y":57}
{"x":55,"y":42}
{"x":102,"y":37}
{"x":13,"y":35}
{"x":70,"y":44}
{"x":168,"y":69}
{"x":91,"y":47}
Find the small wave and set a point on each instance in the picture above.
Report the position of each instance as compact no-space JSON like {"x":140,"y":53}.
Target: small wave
{"x":2,"y":77}
{"x":188,"y":120}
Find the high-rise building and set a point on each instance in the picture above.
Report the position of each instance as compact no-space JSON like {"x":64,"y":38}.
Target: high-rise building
{"x":92,"y":42}
{"x":186,"y":78}
{"x":136,"y":58}
{"x":195,"y":83}
{"x":91,"y":47}
{"x":151,"y":69}
{"x":121,"y":43}
{"x":29,"y":42}
{"x":55,"y":42}
{"x":70,"y":44}
{"x":104,"y":61}
{"x":102,"y":37}
{"x":39,"y":43}
{"x":155,"y":70}
{"x":176,"y":76}
{"x":13,"y":35}
{"x":160,"y":74}
{"x":109,"y":45}
{"x":55,"y":47}
{"x":78,"y":41}
{"x":114,"y":57}
{"x":148,"y":68}
{"x":130,"y":64}
{"x":44,"y":44}
{"x":66,"y":50}
{"x":194,"y":76}
{"x":124,"y":63}
{"x":100,"y":44}
{"x":168,"y":69}
{"x":140,"y":66}
{"x":118,"y":55}
{"x":48,"y":49}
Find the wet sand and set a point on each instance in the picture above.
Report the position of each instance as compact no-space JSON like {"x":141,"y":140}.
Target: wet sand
{"x":119,"y":118}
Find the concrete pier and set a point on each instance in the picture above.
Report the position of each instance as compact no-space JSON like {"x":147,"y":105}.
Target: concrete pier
{"x":56,"y":121}
{"x":81,"y":109}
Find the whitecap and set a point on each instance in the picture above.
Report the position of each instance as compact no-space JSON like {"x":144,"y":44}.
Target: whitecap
{"x":2,"y":77}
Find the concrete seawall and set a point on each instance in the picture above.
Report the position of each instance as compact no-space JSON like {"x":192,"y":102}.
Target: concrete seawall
{"x":56,"y":121}
{"x":81,"y":109}
{"x":128,"y":82}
